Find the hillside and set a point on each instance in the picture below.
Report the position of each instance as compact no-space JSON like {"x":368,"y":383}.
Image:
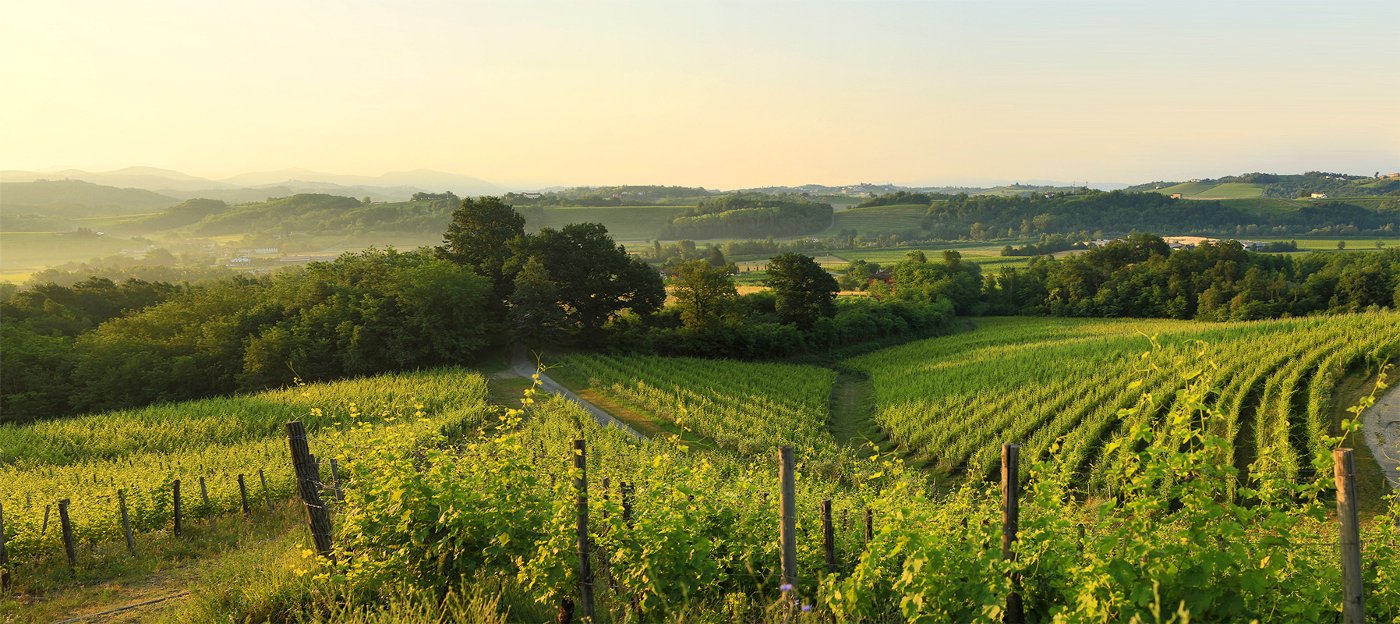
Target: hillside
{"x":77,"y":199}
{"x":1283,"y":186}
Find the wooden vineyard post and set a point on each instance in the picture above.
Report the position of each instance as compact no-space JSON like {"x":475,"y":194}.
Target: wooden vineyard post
{"x":267,"y":495}
{"x":243,"y":495}
{"x":335,"y":481}
{"x":126,"y":522}
{"x":175,"y":491}
{"x":585,"y":569}
{"x":204,"y":494}
{"x":4,"y":555}
{"x":67,"y":527}
{"x":1010,"y":519}
{"x":317,"y":517}
{"x":625,"y":491}
{"x":44,"y":528}
{"x":1353,"y":602}
{"x":787,"y":527}
{"x":869,"y":526}
{"x":828,"y":537}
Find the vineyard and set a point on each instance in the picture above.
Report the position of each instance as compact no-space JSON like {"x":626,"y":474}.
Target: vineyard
{"x":87,"y":460}
{"x":1062,"y":383}
{"x":1170,"y":468}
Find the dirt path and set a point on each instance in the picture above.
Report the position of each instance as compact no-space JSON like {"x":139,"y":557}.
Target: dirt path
{"x":852,"y":409}
{"x":521,"y":365}
{"x":1381,"y":428}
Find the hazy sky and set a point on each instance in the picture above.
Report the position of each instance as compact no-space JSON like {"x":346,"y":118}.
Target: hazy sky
{"x":717,"y":94}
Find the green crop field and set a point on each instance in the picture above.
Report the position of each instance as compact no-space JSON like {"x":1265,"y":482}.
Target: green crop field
{"x":1044,"y":382}
{"x":1204,"y":190}
{"x":880,"y":219}
{"x":1188,"y":445}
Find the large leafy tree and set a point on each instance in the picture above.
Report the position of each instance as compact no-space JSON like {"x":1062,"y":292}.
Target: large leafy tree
{"x":595,"y":277}
{"x":479,"y":236}
{"x":803,"y":290}
{"x":704,"y":293}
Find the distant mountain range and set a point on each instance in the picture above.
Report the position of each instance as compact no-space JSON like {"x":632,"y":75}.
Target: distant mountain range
{"x":258,"y":186}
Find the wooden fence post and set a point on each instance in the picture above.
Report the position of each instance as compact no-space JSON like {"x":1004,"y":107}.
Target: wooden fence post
{"x":787,"y":526}
{"x":335,"y":480}
{"x":243,"y":495}
{"x":626,"y":491}
{"x":44,"y":528}
{"x":4,"y":555}
{"x":1353,"y":602}
{"x":67,"y":527}
{"x":204,"y":494}
{"x":267,"y":495}
{"x":828,"y":537}
{"x":1010,"y":519}
{"x":869,"y":526}
{"x":126,"y":522}
{"x":176,"y":492}
{"x":585,"y":569}
{"x":308,"y":486}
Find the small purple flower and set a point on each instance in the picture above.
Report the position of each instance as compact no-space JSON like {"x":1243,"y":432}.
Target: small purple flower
{"x":787,"y":587}
{"x":806,"y":608}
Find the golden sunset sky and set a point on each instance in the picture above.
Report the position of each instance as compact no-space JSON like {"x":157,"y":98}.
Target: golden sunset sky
{"x":724,"y":95}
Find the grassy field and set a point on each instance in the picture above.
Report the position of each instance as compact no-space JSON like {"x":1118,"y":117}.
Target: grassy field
{"x":880,"y":219}
{"x":23,"y":253}
{"x":1204,"y":190}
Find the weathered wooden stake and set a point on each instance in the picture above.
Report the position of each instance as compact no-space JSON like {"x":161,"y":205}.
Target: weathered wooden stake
{"x":787,"y":526}
{"x":267,"y":494}
{"x":44,"y":528}
{"x":869,"y":526}
{"x":4,"y":555}
{"x":1010,"y":520}
{"x":626,"y":492}
{"x":204,"y":494}
{"x":67,"y":527}
{"x":317,"y":517}
{"x":175,"y":490}
{"x":585,"y":568}
{"x":126,"y":522}
{"x":1353,"y":602}
{"x":828,"y":537}
{"x":243,"y":495}
{"x":335,"y":480}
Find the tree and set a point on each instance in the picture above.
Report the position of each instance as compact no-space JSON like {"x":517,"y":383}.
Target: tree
{"x":704,"y":293}
{"x":535,"y":314}
{"x":1341,"y":245}
{"x":596,"y":278}
{"x":478,"y":238}
{"x":716,"y":257}
{"x":804,"y":291}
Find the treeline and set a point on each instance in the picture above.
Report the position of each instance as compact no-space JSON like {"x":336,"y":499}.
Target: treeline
{"x":898,"y":198}
{"x":750,"y":216}
{"x":316,"y":213}
{"x":612,"y":196}
{"x":1142,"y":276}
{"x":1049,"y":244}
{"x":99,"y":344}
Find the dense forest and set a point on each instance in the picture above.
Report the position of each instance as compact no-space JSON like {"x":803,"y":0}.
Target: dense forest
{"x":750,"y":216}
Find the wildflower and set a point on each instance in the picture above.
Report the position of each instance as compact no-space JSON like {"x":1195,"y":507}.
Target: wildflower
{"x":806,"y":607}
{"x":787,"y":587}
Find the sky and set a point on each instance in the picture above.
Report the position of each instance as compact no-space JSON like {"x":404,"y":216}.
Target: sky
{"x":717,"y":94}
